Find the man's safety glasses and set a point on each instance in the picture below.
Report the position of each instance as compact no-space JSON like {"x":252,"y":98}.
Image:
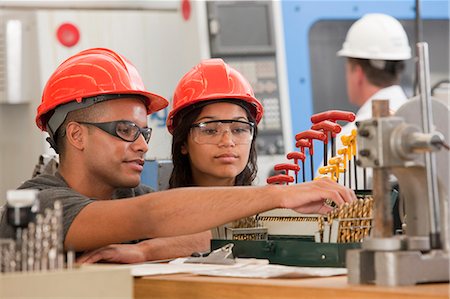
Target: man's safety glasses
{"x":123,"y":129}
{"x":211,"y":132}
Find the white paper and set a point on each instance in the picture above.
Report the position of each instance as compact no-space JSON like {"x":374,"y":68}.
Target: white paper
{"x":157,"y":269}
{"x":273,"y":271}
{"x":250,"y":268}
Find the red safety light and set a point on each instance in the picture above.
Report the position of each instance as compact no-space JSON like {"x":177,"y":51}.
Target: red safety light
{"x":68,"y":34}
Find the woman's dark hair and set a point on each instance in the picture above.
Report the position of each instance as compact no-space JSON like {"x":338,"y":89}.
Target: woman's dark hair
{"x":182,"y":172}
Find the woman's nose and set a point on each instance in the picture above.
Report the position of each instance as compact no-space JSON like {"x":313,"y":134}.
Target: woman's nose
{"x":226,"y":138}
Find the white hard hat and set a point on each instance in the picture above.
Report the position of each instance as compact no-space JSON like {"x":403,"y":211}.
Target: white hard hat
{"x":376,"y":36}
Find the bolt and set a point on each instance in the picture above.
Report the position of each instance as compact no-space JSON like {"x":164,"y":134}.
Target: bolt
{"x":364,"y":153}
{"x":358,"y":162}
{"x":364,"y":133}
{"x":376,"y":162}
{"x":375,"y":123}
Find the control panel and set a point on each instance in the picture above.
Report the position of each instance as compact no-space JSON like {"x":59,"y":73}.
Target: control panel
{"x":241,"y":33}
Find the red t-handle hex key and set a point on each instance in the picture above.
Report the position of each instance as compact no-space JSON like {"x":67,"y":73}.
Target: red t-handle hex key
{"x":286,"y":167}
{"x":302,"y":144}
{"x":333,"y":116}
{"x":327,"y":126}
{"x":297,"y":156}
{"x":280,"y":179}
{"x":310,"y":135}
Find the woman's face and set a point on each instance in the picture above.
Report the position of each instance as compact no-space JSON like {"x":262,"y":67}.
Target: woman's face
{"x":218,"y":162}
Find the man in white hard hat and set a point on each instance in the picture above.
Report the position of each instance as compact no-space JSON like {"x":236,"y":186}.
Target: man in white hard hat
{"x":376,"y":47}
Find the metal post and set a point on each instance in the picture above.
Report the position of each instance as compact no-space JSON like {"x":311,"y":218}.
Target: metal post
{"x":430,"y":158}
{"x":381,"y":188}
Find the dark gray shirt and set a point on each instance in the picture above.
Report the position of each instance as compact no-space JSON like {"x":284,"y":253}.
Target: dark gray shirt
{"x":54,"y":187}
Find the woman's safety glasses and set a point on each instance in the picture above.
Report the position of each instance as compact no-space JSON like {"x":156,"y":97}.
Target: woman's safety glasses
{"x":123,"y":129}
{"x":211,"y":132}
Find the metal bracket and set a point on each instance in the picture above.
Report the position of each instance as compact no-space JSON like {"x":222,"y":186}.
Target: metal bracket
{"x":221,"y":256}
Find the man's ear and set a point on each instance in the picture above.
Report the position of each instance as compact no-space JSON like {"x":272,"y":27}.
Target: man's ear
{"x":75,"y":135}
{"x":360,"y":75}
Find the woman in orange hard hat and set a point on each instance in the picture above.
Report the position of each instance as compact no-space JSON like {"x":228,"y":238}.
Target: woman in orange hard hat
{"x":213,"y":122}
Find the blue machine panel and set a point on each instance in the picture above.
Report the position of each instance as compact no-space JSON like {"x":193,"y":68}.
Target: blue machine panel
{"x":298,"y":18}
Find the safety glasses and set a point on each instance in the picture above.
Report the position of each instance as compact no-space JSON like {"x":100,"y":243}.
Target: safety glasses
{"x":123,"y":129}
{"x":211,"y":132}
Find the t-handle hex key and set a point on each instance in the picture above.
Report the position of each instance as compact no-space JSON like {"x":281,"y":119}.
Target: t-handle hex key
{"x":310,"y":135}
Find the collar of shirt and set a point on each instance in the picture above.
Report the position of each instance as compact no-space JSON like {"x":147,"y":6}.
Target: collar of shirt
{"x":394,"y":94}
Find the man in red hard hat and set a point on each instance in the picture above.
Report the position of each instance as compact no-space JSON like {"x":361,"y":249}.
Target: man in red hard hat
{"x":95,"y":108}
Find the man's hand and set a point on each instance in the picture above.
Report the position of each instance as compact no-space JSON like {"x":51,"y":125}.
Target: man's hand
{"x":115,"y":253}
{"x":310,"y":197}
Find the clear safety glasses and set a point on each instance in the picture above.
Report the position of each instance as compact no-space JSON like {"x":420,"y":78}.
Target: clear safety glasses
{"x":123,"y":129}
{"x":211,"y":132}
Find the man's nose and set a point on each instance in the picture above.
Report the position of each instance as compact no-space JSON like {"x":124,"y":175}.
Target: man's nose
{"x":140,"y":144}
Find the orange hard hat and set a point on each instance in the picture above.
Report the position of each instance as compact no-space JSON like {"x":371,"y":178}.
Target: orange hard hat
{"x":212,"y":79}
{"x":89,"y":74}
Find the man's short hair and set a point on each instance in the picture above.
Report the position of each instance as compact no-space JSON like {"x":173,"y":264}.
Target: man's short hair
{"x":87,"y":114}
{"x":381,"y":73}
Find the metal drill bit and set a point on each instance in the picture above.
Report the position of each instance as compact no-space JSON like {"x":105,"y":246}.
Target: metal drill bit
{"x":58,"y":210}
{"x":24,"y":250}
{"x":38,"y":243}
{"x":31,"y":246}
{"x":70,"y":259}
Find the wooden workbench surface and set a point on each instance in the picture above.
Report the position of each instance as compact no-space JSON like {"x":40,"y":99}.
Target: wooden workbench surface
{"x":189,"y":286}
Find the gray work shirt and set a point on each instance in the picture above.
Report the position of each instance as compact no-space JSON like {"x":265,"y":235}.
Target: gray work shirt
{"x":54,"y":187}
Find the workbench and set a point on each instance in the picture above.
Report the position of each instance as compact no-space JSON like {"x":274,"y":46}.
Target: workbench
{"x":188,"y":286}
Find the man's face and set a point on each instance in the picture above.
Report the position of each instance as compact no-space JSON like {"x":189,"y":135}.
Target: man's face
{"x":111,"y":161}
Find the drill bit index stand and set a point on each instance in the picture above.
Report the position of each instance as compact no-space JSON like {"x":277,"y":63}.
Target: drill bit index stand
{"x":396,"y":145}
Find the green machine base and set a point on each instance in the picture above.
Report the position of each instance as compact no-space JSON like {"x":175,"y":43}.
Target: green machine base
{"x":291,"y":251}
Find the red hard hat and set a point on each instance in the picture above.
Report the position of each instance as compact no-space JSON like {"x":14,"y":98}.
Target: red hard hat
{"x":91,"y":73}
{"x":212,"y":79}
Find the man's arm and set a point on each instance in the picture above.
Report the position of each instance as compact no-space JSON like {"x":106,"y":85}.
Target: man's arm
{"x":150,"y":250}
{"x":190,"y":210}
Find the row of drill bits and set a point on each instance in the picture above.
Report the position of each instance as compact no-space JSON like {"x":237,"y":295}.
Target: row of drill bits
{"x":349,"y":223}
{"x":38,"y":246}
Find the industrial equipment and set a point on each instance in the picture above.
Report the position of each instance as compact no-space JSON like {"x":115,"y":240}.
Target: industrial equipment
{"x":405,"y":145}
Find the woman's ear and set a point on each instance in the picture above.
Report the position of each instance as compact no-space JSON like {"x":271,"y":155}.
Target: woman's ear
{"x":75,"y":135}
{"x":184,"y":149}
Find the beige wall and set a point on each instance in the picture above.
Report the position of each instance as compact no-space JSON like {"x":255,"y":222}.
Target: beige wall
{"x":161,"y":44}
